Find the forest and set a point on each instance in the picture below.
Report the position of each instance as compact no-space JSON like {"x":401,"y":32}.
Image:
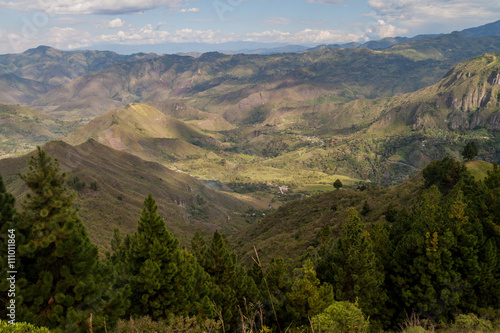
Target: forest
{"x":434,"y":266}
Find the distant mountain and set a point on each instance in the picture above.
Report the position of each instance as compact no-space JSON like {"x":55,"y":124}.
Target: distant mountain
{"x":270,"y":50}
{"x":487,"y":30}
{"x":122,"y":182}
{"x":16,"y":90}
{"x":48,"y":65}
{"x":175,"y":48}
{"x":490,"y":29}
{"x":234,"y":86}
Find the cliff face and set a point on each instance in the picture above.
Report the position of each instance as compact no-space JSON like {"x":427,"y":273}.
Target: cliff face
{"x":471,"y":93}
{"x":467,"y":98}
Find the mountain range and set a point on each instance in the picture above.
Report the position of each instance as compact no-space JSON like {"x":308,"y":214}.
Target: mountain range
{"x":259,"y":130}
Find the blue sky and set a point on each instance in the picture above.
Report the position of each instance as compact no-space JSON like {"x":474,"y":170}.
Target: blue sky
{"x":70,"y":24}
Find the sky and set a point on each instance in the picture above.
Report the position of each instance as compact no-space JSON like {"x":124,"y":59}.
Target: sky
{"x":101,"y":24}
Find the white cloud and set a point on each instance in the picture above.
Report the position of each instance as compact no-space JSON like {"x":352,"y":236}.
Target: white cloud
{"x":381,"y":30}
{"x":276,"y":21}
{"x":189,"y":10}
{"x":108,"y":7}
{"x":69,"y":38}
{"x":116,"y":23}
{"x":446,"y":13}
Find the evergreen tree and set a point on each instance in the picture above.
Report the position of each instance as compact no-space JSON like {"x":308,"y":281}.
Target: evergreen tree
{"x":307,"y":296}
{"x":435,"y":261}
{"x":164,"y":278}
{"x":353,"y":269}
{"x":337,"y":184}
{"x":445,"y":174}
{"x":59,"y":284}
{"x":470,"y":150}
{"x":230,"y":283}
{"x":7,"y":223}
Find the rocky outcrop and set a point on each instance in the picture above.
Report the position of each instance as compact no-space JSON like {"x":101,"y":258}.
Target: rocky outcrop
{"x":494,"y":121}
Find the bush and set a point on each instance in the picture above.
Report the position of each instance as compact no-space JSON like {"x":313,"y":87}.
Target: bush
{"x":415,"y":329}
{"x":471,"y":323}
{"x":176,"y":324}
{"x":5,"y":327}
{"x":341,"y":317}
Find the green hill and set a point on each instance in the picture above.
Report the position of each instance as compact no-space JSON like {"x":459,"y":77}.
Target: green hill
{"x":22,"y":129}
{"x":116,"y":184}
{"x":294,"y":227}
{"x":144,"y":131}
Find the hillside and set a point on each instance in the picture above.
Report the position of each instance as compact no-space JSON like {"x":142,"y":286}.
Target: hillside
{"x":291,"y":231}
{"x":294,"y":227}
{"x":465,"y":99}
{"x":16,"y":90}
{"x":22,"y":129}
{"x":121,"y":182}
{"x":144,"y":131}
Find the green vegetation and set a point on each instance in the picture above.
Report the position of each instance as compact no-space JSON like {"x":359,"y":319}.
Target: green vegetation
{"x":358,"y":274}
{"x":21,"y":328}
{"x":470,"y":151}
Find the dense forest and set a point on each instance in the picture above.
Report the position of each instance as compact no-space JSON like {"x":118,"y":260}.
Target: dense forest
{"x":434,"y":265}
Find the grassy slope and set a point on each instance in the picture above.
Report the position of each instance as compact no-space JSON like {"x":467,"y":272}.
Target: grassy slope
{"x":479,"y":169}
{"x":124,"y":181}
{"x":292,"y":229}
{"x":22,"y":129}
{"x":146,"y":132}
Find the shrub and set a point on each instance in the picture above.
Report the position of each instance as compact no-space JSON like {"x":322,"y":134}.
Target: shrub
{"x":341,"y":317}
{"x":176,"y":324}
{"x":5,"y":327}
{"x":414,"y":329}
{"x":471,"y":323}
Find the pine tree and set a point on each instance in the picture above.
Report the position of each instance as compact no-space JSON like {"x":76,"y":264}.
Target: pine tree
{"x":308,"y":296}
{"x":7,"y":223}
{"x":230,"y":283}
{"x":353,"y":269}
{"x":59,"y":284}
{"x":425,"y":270}
{"x":470,"y":151}
{"x":165,"y":279}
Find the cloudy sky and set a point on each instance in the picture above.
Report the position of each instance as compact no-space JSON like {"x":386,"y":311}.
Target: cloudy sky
{"x":97,"y":24}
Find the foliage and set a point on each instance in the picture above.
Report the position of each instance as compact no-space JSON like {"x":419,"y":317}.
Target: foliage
{"x":341,"y":317}
{"x":177,"y":324}
{"x":7,"y":222}
{"x":230,"y":284}
{"x":76,"y":183}
{"x":165,"y":280}
{"x":470,"y":151}
{"x":62,"y":281}
{"x":5,"y":327}
{"x":471,"y":323}
{"x":352,"y":268}
{"x":444,"y":173}
{"x":308,"y":296}
{"x":337,"y":184}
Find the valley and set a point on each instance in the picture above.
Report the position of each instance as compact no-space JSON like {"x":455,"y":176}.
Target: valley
{"x":259,"y":177}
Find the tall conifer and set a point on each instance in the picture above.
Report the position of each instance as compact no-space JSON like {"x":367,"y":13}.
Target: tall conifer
{"x":353,"y":269}
{"x":165,"y":279}
{"x":59,"y":278}
{"x":7,"y":212}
